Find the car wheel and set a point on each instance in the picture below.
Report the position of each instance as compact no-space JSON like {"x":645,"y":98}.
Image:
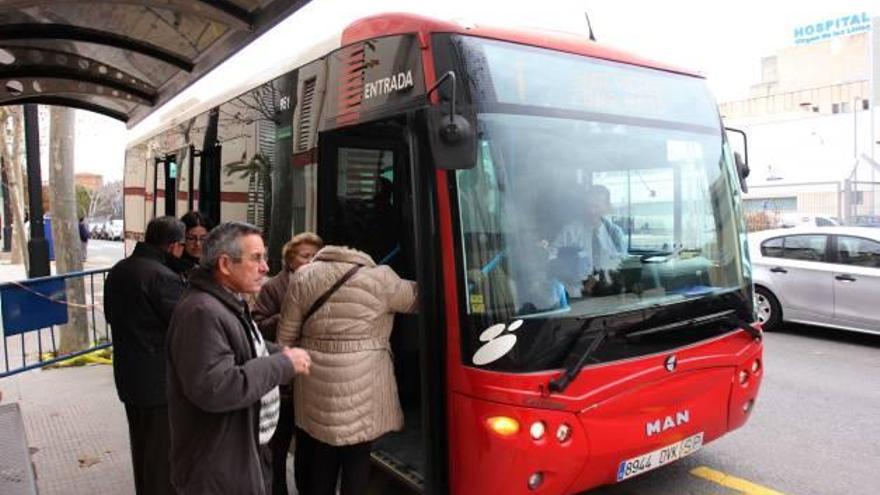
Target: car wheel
{"x":767,"y":309}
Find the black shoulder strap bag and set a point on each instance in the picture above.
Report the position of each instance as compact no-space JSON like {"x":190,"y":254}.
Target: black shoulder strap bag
{"x":321,"y":300}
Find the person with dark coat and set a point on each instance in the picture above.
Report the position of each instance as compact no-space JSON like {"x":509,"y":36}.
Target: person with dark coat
{"x":139,"y":297}
{"x":223,"y":377}
{"x":267,"y":308}
{"x":84,"y":237}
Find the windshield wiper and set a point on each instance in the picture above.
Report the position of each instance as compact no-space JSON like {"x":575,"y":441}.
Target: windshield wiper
{"x":562,"y":381}
{"x":723,"y":316}
{"x":729,"y":318}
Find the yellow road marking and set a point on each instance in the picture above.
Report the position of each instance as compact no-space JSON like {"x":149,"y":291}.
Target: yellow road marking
{"x":739,"y":484}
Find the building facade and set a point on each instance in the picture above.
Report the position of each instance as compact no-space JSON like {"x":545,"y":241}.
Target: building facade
{"x":92,"y":182}
{"x":811,"y":126}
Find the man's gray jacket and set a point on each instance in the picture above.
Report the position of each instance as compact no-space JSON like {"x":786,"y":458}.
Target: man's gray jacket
{"x":215,"y":384}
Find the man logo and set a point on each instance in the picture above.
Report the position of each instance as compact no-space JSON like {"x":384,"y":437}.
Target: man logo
{"x":671,"y":363}
{"x":668,"y":422}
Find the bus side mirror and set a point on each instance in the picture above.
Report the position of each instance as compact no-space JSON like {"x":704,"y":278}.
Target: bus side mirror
{"x":452,"y":140}
{"x":742,"y":171}
{"x":450,"y":132}
{"x":741,"y":160}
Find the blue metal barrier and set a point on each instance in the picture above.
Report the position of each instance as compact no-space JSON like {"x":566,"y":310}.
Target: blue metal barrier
{"x":32,"y":311}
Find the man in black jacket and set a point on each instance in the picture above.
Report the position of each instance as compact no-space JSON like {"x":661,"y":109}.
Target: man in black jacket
{"x":223,"y":378}
{"x":139,"y":297}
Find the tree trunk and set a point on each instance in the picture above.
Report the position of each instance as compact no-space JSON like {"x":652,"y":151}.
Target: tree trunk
{"x":13,"y":158}
{"x":65,"y":227}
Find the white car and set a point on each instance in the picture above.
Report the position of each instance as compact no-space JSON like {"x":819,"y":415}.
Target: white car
{"x":799,"y":220}
{"x":827,"y":276}
{"x":115,"y":230}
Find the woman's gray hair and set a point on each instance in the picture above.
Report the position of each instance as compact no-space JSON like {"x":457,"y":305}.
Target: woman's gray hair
{"x":224,"y":239}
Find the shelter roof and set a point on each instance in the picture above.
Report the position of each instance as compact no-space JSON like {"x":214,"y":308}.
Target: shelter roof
{"x":122,"y":58}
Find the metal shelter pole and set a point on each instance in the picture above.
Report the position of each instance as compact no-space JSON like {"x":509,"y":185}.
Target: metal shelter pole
{"x":7,"y":212}
{"x":38,"y":247}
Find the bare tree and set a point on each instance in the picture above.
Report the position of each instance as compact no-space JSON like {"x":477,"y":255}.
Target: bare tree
{"x":12,"y":126}
{"x":65,"y":228}
{"x":105,"y":201}
{"x":113,"y":200}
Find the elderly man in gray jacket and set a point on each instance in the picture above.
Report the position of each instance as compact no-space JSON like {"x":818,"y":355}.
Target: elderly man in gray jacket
{"x":223,"y":377}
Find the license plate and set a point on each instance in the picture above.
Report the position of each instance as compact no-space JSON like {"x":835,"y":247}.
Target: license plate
{"x":659,"y":457}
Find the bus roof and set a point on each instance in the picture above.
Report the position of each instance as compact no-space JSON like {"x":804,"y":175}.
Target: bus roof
{"x":402,"y":23}
{"x":376,"y":26}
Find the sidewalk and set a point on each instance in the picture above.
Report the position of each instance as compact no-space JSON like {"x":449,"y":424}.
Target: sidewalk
{"x":74,"y":422}
{"x":76,"y":428}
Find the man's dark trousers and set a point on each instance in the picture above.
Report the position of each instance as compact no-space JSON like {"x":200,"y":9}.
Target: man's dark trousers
{"x":150,"y":438}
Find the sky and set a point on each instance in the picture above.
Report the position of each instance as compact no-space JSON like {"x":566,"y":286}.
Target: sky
{"x":722,"y":40}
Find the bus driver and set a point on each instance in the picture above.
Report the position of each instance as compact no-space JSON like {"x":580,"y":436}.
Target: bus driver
{"x":589,"y":249}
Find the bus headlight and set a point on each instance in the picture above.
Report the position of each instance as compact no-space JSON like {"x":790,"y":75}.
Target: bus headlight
{"x":756,"y":366}
{"x":743,"y":377}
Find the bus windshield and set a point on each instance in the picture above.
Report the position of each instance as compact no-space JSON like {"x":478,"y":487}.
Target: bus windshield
{"x":600,"y":188}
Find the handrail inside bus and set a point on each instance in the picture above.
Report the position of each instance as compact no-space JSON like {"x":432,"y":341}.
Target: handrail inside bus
{"x":390,"y":256}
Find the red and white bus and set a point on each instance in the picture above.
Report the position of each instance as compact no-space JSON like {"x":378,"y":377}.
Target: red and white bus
{"x":460,"y":155}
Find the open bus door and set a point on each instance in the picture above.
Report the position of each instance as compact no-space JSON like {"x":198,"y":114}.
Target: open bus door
{"x":369,"y":199}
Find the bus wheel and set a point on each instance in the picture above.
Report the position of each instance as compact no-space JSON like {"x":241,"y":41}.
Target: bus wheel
{"x":767,"y":309}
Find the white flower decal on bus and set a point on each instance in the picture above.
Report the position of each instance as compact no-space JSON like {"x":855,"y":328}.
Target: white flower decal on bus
{"x":498,"y":342}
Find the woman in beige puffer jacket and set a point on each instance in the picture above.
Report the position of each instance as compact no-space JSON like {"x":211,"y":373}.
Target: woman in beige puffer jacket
{"x":349,"y":398}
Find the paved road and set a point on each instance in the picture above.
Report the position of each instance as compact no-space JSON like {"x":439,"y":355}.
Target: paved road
{"x":104,"y":253}
{"x":815,"y":429}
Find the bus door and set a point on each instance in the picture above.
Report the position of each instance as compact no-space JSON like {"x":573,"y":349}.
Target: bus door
{"x":365,"y":202}
{"x":165,"y":185}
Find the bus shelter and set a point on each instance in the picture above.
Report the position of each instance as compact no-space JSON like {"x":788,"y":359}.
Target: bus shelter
{"x":120,"y":58}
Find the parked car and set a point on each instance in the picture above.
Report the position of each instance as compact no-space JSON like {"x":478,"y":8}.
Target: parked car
{"x":801,"y":220}
{"x":865,"y":221}
{"x":827,"y":276}
{"x":97,"y":231}
{"x":114,"y":230}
